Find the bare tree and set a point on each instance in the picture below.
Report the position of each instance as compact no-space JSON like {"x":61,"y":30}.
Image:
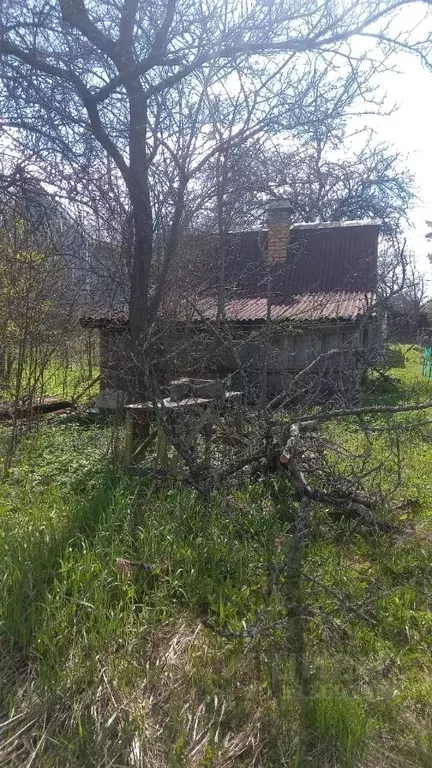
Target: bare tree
{"x":164,"y":98}
{"x":92,"y":80}
{"x":322,"y":180}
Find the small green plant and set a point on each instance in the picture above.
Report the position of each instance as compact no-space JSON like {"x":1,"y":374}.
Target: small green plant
{"x":338,"y":724}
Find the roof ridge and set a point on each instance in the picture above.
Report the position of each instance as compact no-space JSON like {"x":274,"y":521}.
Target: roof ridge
{"x":337,"y":224}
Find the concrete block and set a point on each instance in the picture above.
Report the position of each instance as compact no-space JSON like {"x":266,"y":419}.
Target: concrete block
{"x":110,"y":400}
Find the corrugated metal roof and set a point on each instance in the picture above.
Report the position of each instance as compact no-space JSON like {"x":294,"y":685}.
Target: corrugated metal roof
{"x":320,"y":258}
{"x":328,"y":270}
{"x":306,"y":307}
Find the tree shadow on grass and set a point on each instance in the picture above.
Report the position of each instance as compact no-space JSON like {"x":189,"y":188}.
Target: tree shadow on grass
{"x":32,"y":569}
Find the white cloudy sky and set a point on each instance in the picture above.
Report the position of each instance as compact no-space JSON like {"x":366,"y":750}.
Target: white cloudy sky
{"x":409,"y":128}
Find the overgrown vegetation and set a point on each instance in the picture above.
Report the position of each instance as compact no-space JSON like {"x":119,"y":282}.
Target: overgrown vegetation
{"x":47,"y":371}
{"x":149,"y":667}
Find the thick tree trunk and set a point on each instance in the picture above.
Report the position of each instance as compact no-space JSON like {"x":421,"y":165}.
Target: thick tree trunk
{"x":142,"y":256}
{"x":142,"y":216}
{"x":143,"y":237}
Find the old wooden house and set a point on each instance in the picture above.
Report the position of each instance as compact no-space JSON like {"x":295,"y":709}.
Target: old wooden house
{"x":262,"y":306}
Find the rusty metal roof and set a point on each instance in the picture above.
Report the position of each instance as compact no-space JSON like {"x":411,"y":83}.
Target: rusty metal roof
{"x":336,"y":224}
{"x":345,"y":306}
{"x":308,"y":307}
{"x":328,"y":270}
{"x":105,"y":318}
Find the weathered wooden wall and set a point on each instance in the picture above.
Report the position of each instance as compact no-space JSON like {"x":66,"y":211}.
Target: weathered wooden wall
{"x":115,"y":360}
{"x":280,"y":351}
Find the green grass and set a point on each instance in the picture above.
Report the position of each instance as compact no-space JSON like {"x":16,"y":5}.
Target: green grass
{"x":65,"y":376}
{"x":69,"y":382}
{"x":102,"y":669}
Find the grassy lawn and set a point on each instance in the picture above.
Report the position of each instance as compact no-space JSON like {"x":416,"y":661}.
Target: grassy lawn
{"x":59,"y":381}
{"x":65,"y":375}
{"x":100,"y":668}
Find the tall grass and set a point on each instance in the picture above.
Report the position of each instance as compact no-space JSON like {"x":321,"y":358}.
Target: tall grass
{"x":105,"y":668}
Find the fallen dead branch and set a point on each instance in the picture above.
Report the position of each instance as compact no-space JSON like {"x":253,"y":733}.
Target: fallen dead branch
{"x":32,"y":408}
{"x":310,"y":422}
{"x":351,"y":505}
{"x":87,"y":388}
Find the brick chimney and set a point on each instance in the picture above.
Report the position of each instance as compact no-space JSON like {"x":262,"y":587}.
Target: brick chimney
{"x":279,"y":221}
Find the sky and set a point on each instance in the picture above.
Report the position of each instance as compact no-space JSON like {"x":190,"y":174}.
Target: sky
{"x":409,"y":129}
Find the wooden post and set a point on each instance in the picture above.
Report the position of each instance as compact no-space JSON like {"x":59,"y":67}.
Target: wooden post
{"x":207,"y":432}
{"x":137,"y":430}
{"x":162,"y":449}
{"x":129,"y":436}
